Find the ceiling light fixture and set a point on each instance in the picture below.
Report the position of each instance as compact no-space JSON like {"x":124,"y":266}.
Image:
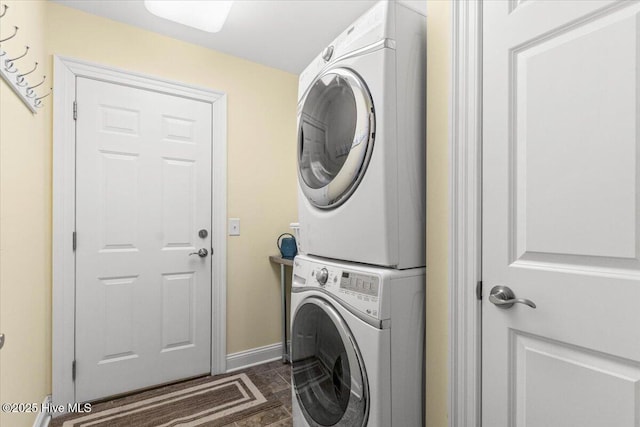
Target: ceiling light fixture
{"x":207,"y":15}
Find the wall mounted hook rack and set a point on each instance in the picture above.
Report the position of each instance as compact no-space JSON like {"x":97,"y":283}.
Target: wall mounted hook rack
{"x":17,"y":81}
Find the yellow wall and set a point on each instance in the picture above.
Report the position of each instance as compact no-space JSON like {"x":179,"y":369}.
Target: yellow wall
{"x":438,"y":74}
{"x":25,"y":225}
{"x":261,"y":181}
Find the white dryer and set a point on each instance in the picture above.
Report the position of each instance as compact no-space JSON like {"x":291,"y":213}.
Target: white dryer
{"x":357,"y":337}
{"x":361,"y":142}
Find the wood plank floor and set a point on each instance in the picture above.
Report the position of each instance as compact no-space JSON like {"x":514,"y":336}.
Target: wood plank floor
{"x":277,"y":377}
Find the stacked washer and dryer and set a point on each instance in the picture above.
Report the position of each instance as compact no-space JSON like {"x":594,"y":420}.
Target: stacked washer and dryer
{"x":357,"y":303}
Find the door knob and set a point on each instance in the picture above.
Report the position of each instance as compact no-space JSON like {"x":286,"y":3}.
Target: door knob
{"x":201,"y":253}
{"x":1,"y":340}
{"x":503,"y":297}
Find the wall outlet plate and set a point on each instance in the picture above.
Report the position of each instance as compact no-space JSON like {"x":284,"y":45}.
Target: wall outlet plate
{"x":234,"y":226}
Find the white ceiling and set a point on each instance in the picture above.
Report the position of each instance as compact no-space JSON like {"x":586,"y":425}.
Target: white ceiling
{"x":284,"y":34}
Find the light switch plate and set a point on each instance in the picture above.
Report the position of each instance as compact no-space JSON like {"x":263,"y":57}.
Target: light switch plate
{"x":234,"y":226}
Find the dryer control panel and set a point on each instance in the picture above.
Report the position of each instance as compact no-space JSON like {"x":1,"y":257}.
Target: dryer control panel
{"x":359,"y":290}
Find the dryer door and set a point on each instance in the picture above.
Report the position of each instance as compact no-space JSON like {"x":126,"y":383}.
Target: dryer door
{"x":336,"y":129}
{"x":328,"y":375}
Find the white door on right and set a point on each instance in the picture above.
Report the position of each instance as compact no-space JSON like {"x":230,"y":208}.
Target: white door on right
{"x":561,"y":213}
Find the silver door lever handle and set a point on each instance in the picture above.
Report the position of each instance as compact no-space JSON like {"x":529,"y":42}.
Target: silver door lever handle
{"x":503,"y":297}
{"x":201,"y":253}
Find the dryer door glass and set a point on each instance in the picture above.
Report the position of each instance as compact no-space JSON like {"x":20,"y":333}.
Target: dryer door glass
{"x":336,"y":126}
{"x":329,"y":381}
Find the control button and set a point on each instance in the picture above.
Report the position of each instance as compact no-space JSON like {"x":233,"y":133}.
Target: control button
{"x":368,"y":311}
{"x":322,"y":276}
{"x":327,"y":53}
{"x":335,"y":279}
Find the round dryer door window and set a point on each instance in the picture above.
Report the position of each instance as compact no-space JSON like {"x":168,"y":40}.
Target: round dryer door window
{"x":328,"y":377}
{"x":336,"y":128}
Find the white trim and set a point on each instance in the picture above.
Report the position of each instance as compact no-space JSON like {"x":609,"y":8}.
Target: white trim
{"x":254,"y":356}
{"x":219,"y":239}
{"x":63,"y":259}
{"x":66,"y":70}
{"x":44,"y":415}
{"x":465,"y":130}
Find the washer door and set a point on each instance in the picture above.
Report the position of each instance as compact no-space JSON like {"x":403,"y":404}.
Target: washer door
{"x":328,"y":376}
{"x":336,"y":129}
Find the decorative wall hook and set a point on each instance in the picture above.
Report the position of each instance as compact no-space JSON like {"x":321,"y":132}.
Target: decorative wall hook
{"x":20,"y":77}
{"x":26,"y":50}
{"x":15,"y":31}
{"x":9,"y":67}
{"x":4,"y":12}
{"x":38,"y":101}
{"x":30,"y":92}
{"x":9,"y":63}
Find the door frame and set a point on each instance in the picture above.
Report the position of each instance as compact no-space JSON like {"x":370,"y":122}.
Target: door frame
{"x":66,"y":71}
{"x":465,"y":216}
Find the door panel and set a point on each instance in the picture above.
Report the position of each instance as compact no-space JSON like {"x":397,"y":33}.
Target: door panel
{"x":178,"y":203}
{"x":118,"y":313}
{"x":557,"y":384}
{"x":560,"y":213}
{"x":143,"y":303}
{"x":575,"y":119}
{"x":178,"y":311}
{"x":118,"y":189}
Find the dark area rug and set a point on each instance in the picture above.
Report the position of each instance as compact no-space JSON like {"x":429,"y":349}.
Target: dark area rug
{"x":208,"y":401}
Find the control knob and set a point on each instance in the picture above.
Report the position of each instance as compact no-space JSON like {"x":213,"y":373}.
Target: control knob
{"x":322,"y":276}
{"x":327,"y":53}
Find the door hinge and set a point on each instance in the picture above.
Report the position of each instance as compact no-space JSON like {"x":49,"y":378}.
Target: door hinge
{"x":479,"y":290}
{"x":74,"y":240}
{"x":75,"y":110}
{"x":73,"y":370}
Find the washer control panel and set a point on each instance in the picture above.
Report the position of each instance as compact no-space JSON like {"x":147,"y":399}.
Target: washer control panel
{"x":360,"y":290}
{"x":360,"y":283}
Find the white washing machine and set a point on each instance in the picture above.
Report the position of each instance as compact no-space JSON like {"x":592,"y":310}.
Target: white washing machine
{"x":361,"y":142}
{"x":357,"y":337}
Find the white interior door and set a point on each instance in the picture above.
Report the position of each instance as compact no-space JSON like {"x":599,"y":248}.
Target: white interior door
{"x":561,"y":213}
{"x":143,"y":192}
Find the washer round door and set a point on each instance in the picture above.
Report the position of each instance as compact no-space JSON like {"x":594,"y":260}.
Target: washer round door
{"x":336,"y":130}
{"x":328,"y":375}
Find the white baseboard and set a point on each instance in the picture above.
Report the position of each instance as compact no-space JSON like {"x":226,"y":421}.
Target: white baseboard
{"x":254,"y":356}
{"x":44,"y":417}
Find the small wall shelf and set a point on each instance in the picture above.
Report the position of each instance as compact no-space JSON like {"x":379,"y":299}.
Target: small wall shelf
{"x":283,"y":262}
